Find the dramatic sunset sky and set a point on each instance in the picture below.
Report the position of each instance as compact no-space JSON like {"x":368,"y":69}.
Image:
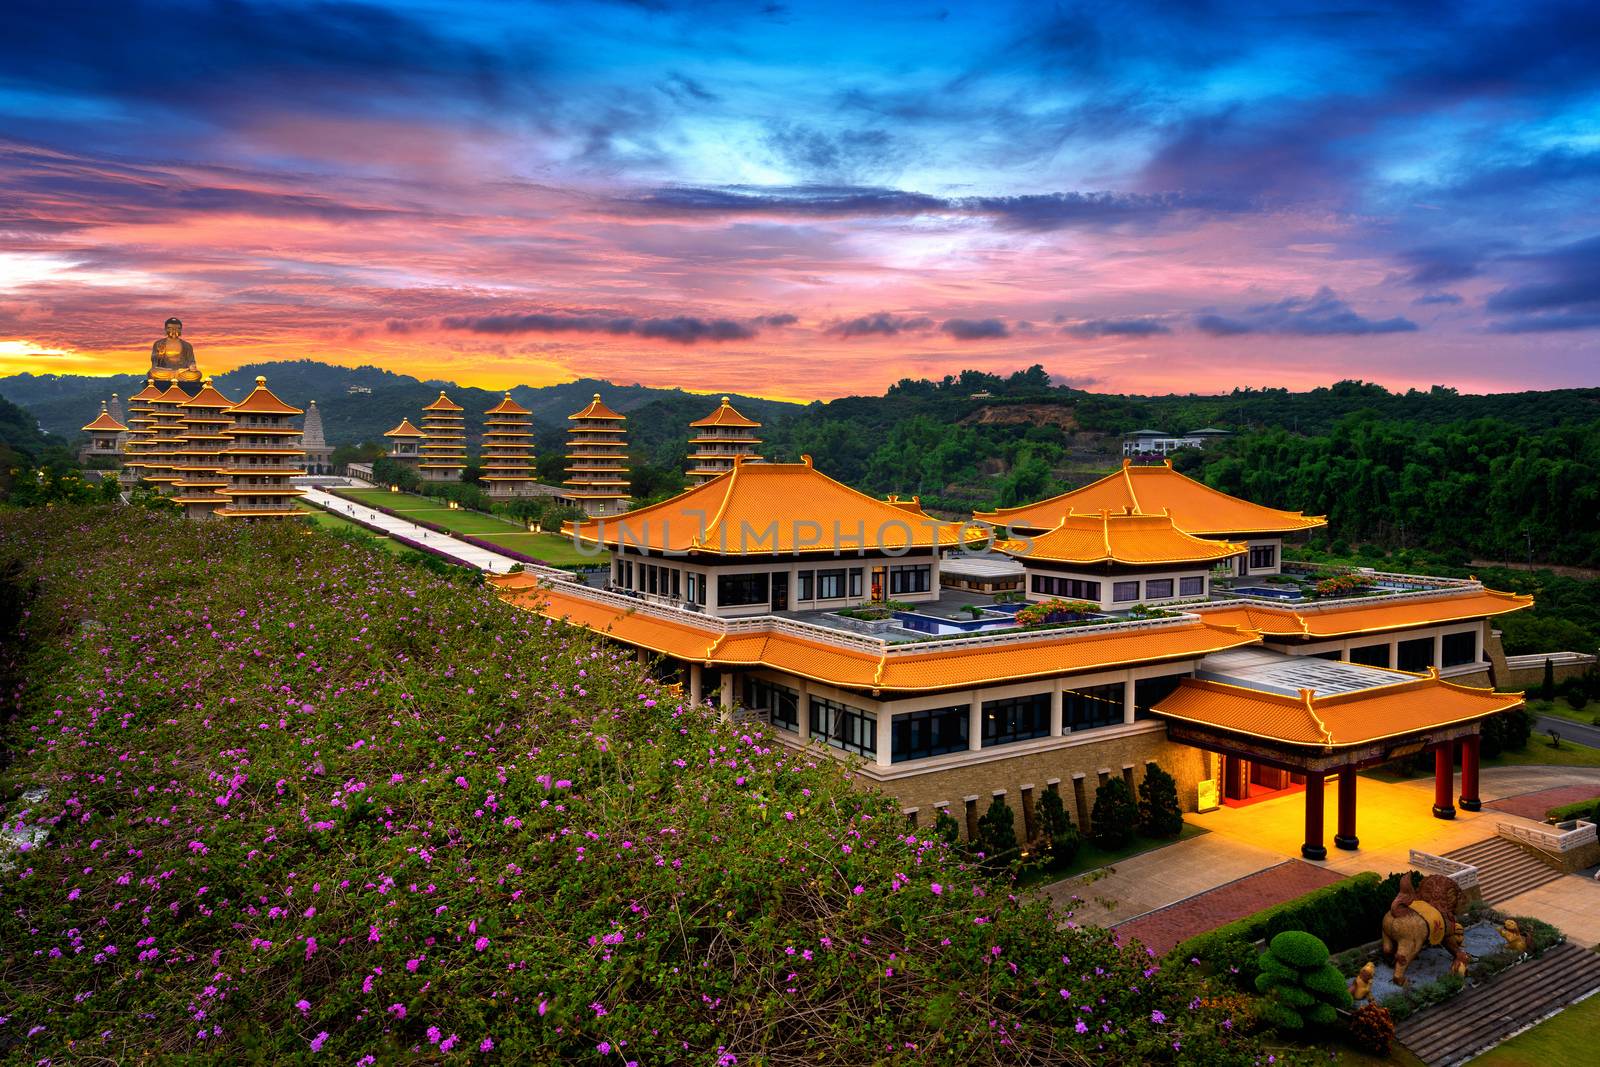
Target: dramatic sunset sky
{"x":808,"y":199}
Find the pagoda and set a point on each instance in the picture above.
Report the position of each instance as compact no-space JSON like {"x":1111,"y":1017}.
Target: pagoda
{"x":508,"y":449}
{"x":199,"y":462}
{"x":597,"y":460}
{"x":106,"y":437}
{"x":719,"y":441}
{"x":137,"y":443}
{"x":444,"y":445}
{"x":407,"y":439}
{"x":161,"y":456}
{"x":319,"y":454}
{"x":263,"y":453}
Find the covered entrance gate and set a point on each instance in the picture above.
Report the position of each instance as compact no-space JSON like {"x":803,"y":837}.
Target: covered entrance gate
{"x":1254,"y":724}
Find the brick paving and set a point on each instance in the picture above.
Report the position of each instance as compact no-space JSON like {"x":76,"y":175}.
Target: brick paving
{"x":1534,"y":805}
{"x":1162,"y":929}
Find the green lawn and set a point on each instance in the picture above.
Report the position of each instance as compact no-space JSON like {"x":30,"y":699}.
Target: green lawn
{"x":1567,"y":1040}
{"x":550,"y":547}
{"x":334,"y":522}
{"x":1589,"y":716}
{"x":1092,"y":856}
{"x":1540,"y":752}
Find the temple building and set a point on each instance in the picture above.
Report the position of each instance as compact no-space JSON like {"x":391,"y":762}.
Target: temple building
{"x":508,"y":466}
{"x":106,"y":437}
{"x":444,"y":441}
{"x":263,"y":454}
{"x":319,"y":454}
{"x":720,"y":440}
{"x":161,"y":454}
{"x":140,"y":433}
{"x":597,"y":460}
{"x":817,"y":613}
{"x":200,"y":462}
{"x":405,"y":442}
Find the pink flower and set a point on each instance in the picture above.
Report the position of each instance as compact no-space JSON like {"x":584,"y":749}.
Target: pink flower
{"x":486,"y":1045}
{"x":481,"y":944}
{"x":316,"y":1042}
{"x":937,"y":888}
{"x":303,"y":1005}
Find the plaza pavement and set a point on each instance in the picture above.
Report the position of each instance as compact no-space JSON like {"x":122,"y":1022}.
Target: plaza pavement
{"x":1393,"y":818}
{"x":471,"y":555}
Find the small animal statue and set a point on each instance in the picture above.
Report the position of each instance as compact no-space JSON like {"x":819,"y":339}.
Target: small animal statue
{"x":1361,"y":984}
{"x":1422,"y":915}
{"x":1513,"y":937}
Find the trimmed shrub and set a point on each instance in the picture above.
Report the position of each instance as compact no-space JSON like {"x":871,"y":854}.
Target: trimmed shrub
{"x":1159,"y":813}
{"x":1115,"y":814}
{"x":1301,"y":987}
{"x":1547,"y":690}
{"x":1578,"y":809}
{"x":997,"y":833}
{"x":946,"y":828}
{"x":1061,"y":837}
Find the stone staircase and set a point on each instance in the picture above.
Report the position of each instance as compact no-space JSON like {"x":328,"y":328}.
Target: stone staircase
{"x":1505,"y":868}
{"x":1479,"y":1018}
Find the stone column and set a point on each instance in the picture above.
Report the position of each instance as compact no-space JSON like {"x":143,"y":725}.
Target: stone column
{"x":1055,"y":708}
{"x":1444,"y":773}
{"x":803,"y":712}
{"x":727,"y":696}
{"x":1127,"y":776}
{"x":1232,"y":777}
{"x":972,"y":817}
{"x":974,"y":724}
{"x":1346,"y":838}
{"x":1313,"y":848}
{"x":1128,"y":710}
{"x":1469,"y":773}
{"x":696,"y":694}
{"x":883,"y":722}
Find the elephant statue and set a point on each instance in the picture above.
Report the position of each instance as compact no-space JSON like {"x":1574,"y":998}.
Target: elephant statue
{"x":1423,"y":915}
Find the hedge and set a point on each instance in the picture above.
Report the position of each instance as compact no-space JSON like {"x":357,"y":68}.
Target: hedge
{"x":1578,"y":809}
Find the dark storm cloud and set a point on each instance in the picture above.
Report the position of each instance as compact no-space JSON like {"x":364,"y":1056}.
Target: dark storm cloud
{"x":880,"y":323}
{"x":1320,"y":315}
{"x":679,"y":329}
{"x":1092,"y":328}
{"x":975,"y":329}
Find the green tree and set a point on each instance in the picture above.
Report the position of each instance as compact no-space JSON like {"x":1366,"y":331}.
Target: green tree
{"x":1159,"y":812}
{"x":946,"y":828}
{"x":997,"y":833}
{"x":1115,"y":814}
{"x":1547,"y":689}
{"x":1055,"y":825}
{"x":1302,"y":988}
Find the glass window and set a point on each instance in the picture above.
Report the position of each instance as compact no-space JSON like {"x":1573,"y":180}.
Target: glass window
{"x":855,"y":581}
{"x":1096,"y":705}
{"x":700,"y":593}
{"x":842,"y":726}
{"x":914,"y":579}
{"x":780,"y":701}
{"x":734,"y":590}
{"x":1191,"y":587}
{"x":1122,"y":592}
{"x":1016,"y":719}
{"x":1415,"y":655}
{"x":830,"y":585}
{"x":677,"y":582}
{"x":1040,"y":586}
{"x":1158,"y":588}
{"x":803,"y":583}
{"x":920,"y":734}
{"x":1371,"y":655}
{"x":1263,"y":557}
{"x":1148,"y":692}
{"x":1460,"y":648}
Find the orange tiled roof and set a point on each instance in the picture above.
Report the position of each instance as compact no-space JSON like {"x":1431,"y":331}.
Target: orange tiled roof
{"x":1335,"y":721}
{"x":105,"y":422}
{"x":725,"y":416}
{"x":444,"y":403}
{"x":405,"y":429}
{"x":261,"y":401}
{"x":939,"y":667}
{"x":767,"y":508}
{"x":149,"y":392}
{"x":1118,"y":538}
{"x":173,"y":395}
{"x":1195,"y":508}
{"x":595,"y":410}
{"x":913,"y":506}
{"x":208,"y":397}
{"x":507,"y":406}
{"x":1354,"y":617}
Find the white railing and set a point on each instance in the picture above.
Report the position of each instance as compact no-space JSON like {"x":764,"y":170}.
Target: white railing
{"x":1563,"y":837}
{"x":1557,"y":659}
{"x":1464,"y":875}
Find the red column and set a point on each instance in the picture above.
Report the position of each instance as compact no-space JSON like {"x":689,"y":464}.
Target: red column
{"x":1469,"y":773}
{"x":1313,"y":848}
{"x":1346,"y":838}
{"x":1444,"y":773}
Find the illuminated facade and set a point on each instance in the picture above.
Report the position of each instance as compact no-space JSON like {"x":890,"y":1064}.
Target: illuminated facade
{"x":202,"y":473}
{"x":107,"y":435}
{"x":263,"y":454}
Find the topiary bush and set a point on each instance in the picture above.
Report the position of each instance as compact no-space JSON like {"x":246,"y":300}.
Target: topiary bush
{"x":1300,"y":986}
{"x":1114,"y":816}
{"x":1159,"y":812}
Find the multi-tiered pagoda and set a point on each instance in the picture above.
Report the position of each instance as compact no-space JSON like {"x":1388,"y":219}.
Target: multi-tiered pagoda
{"x":140,"y":435}
{"x":405,"y":442}
{"x":597,"y":460}
{"x":161,"y":455}
{"x":262,"y":455}
{"x":319,"y":454}
{"x":507,"y":463}
{"x":720,"y":440}
{"x":444,"y":445}
{"x":200,"y":463}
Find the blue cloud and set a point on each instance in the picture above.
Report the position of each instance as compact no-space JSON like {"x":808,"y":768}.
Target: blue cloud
{"x":1323,"y":314}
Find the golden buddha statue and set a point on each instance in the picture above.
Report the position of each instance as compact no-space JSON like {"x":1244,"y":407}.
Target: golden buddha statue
{"x":172,"y":358}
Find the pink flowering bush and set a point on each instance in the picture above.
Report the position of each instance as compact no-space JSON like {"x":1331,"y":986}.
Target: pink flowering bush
{"x":304,"y":802}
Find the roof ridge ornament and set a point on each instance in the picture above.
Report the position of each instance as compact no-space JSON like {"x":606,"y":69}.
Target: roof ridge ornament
{"x":1309,"y":697}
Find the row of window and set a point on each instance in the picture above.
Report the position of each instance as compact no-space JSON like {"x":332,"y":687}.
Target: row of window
{"x":938,"y":731}
{"x":742,"y":590}
{"x":1263,"y":557}
{"x":1416,"y":655}
{"x":833,"y":584}
{"x":1069,"y":588}
{"x":1158,"y":589}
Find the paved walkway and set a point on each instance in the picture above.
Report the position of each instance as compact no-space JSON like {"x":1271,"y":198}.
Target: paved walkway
{"x":1394,"y":817}
{"x":471,"y":555}
{"x":1164,"y":928}
{"x":1533,"y":805}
